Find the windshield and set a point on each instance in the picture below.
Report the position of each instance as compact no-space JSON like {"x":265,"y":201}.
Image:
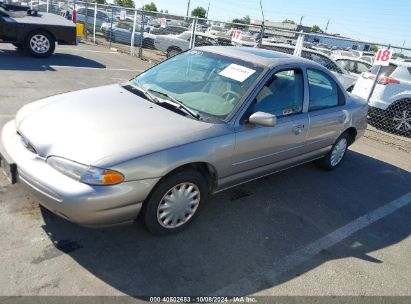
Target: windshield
{"x":207,"y":83}
{"x":13,"y":14}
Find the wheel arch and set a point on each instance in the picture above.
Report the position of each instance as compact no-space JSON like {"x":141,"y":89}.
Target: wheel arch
{"x":205,"y":168}
{"x":26,"y":35}
{"x":352,"y":133}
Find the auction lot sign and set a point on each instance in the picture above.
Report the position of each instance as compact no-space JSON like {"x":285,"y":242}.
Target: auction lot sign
{"x":383,"y":57}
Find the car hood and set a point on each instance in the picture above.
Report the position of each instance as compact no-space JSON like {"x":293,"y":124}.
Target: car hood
{"x":41,"y":18}
{"x":105,"y":126}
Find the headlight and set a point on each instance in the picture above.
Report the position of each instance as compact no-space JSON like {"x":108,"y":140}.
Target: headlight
{"x":85,"y":174}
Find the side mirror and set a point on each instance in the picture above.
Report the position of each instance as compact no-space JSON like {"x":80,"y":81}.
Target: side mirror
{"x":263,"y":119}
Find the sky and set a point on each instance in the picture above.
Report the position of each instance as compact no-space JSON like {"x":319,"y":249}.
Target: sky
{"x":381,"y":21}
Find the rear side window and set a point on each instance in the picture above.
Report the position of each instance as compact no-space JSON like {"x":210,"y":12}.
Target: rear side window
{"x":385,"y":70}
{"x":324,"y":91}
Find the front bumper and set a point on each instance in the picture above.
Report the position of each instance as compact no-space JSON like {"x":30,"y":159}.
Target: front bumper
{"x":80,"y":203}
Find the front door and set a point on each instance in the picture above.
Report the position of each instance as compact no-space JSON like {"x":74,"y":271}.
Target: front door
{"x":258,"y":146}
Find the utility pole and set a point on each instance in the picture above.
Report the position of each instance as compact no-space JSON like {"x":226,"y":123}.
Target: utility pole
{"x":326,"y":27}
{"x":208,"y":8}
{"x":188,"y":7}
{"x":301,"y":20}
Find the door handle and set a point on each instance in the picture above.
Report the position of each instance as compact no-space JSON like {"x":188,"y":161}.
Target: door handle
{"x":298,"y":129}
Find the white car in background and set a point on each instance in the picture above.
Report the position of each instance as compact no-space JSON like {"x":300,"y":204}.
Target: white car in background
{"x":172,"y":45}
{"x":354,"y":66}
{"x":342,"y":53}
{"x":216,"y":30}
{"x":244,"y":40}
{"x":390,"y":103}
{"x":368,"y":58}
{"x":346,"y":79}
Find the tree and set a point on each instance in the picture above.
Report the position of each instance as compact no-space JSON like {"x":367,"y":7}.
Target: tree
{"x":124,"y":3}
{"x":151,"y":7}
{"x":288,"y":21}
{"x":245,"y":20}
{"x":99,"y":1}
{"x":199,"y":12}
{"x":374,"y":48}
{"x":315,"y":29}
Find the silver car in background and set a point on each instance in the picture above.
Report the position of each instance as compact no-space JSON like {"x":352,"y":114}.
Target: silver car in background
{"x":201,"y":122}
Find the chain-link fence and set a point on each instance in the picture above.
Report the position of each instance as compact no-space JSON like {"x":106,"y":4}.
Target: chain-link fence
{"x":156,"y":36}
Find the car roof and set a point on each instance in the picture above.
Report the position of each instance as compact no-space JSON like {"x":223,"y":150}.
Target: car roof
{"x":260,"y":56}
{"x":405,"y":63}
{"x":351,"y":59}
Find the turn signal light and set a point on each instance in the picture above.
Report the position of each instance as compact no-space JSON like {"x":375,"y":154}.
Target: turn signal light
{"x":112,"y":178}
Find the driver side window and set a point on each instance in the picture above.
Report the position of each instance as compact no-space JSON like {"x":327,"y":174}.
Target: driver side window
{"x":282,"y":95}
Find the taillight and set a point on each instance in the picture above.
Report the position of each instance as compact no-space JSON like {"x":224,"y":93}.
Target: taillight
{"x":384,"y":80}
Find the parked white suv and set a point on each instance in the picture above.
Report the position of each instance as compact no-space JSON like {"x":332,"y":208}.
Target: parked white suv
{"x":390,"y":103}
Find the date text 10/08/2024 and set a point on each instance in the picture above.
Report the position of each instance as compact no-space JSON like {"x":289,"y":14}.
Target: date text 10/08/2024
{"x":204,"y":299}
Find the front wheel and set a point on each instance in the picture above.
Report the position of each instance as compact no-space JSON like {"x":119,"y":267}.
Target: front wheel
{"x":40,"y":44}
{"x":335,"y":156}
{"x":175,"y":202}
{"x":173,"y":52}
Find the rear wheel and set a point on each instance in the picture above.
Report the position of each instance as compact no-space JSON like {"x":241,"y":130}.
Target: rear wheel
{"x":148,"y":43}
{"x":400,"y":117}
{"x":40,"y":44}
{"x":335,"y":156}
{"x":175,"y":202}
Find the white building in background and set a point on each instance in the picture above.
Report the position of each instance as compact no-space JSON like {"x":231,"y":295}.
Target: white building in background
{"x":336,"y":41}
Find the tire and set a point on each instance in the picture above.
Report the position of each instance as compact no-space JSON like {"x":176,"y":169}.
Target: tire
{"x":19,"y":46}
{"x":399,"y":117}
{"x":336,"y":155}
{"x":148,"y":43}
{"x":171,"y":52}
{"x":161,"y":215}
{"x":40,"y":44}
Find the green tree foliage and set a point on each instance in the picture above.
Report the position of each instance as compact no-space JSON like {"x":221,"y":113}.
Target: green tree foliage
{"x":124,"y":3}
{"x":199,"y":12}
{"x":374,"y":48}
{"x":245,"y":20}
{"x":150,"y":7}
{"x":288,"y":21}
{"x":315,"y":29}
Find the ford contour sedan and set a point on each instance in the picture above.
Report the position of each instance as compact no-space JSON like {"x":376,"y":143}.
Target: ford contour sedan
{"x":159,"y":145}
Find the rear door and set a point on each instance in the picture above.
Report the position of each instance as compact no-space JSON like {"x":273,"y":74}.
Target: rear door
{"x":325,"y":109}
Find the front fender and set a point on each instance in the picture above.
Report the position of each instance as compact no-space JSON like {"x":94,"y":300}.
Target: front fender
{"x":215,"y":151}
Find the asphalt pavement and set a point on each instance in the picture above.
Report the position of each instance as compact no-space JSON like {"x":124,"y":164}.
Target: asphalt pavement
{"x":299,"y":232}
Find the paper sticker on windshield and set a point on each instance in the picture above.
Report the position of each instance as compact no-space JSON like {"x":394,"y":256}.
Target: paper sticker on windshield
{"x":237,"y":72}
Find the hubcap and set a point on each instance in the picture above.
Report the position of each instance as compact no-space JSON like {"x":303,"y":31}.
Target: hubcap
{"x":39,"y":44}
{"x":178,"y":205}
{"x":338,"y":152}
{"x":403,"y":121}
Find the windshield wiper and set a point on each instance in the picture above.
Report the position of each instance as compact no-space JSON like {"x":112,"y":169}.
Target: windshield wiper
{"x":147,"y":94}
{"x":179,"y":104}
